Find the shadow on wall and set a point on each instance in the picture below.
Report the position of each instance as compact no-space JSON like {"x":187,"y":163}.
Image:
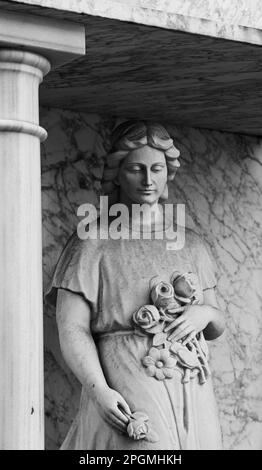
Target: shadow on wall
{"x":220,"y":183}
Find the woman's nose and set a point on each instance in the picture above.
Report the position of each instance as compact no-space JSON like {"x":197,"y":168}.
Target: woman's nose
{"x":147,"y":178}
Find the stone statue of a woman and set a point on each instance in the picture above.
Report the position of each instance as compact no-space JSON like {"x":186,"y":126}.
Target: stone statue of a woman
{"x":133,"y":316}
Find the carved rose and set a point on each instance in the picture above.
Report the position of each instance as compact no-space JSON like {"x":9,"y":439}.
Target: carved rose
{"x":138,"y":426}
{"x":162,"y":295}
{"x":147,"y":317}
{"x":159,"y":364}
{"x":184,"y":286}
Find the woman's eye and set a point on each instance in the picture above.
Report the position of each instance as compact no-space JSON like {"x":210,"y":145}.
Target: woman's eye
{"x":157,"y":168}
{"x":138,"y":169}
{"x":134,"y":169}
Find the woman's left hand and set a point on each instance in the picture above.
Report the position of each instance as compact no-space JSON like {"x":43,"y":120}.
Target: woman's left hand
{"x":194,"y":319}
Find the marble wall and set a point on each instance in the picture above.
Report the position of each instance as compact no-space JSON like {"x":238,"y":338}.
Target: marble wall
{"x":220,"y":182}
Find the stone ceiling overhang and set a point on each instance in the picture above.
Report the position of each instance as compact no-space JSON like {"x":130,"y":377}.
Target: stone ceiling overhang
{"x":150,"y":64}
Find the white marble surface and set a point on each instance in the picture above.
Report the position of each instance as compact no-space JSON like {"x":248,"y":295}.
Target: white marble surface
{"x":220,"y":182}
{"x":241,"y":12}
{"x":21,"y":332}
{"x":235,"y":20}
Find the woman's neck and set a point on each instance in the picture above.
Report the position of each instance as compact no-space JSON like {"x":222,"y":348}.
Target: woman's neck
{"x":146,"y":216}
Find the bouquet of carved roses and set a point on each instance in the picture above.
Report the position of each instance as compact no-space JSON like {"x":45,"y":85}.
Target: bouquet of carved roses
{"x":169,"y":301}
{"x":159,"y":319}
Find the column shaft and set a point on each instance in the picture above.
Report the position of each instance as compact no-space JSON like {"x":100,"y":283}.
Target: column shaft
{"x":21,"y":320}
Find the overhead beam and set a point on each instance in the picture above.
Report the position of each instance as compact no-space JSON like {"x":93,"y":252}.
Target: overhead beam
{"x":59,"y":41}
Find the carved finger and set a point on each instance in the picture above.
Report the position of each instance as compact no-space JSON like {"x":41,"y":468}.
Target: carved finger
{"x":120,"y":416}
{"x":175,"y":323}
{"x":123,"y":406}
{"x":180,"y":333}
{"x":176,"y":331}
{"x":189,"y":338}
{"x":118,"y":421}
{"x":112,"y":422}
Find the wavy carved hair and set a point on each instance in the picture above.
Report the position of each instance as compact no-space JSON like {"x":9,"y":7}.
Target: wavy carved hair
{"x":132,"y":135}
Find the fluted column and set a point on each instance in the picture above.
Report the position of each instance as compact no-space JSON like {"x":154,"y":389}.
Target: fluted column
{"x":21,"y":320}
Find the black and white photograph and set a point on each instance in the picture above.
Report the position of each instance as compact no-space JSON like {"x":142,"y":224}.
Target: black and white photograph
{"x":130,"y":232}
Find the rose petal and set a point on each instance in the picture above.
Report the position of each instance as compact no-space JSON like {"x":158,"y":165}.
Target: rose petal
{"x":165,"y":289}
{"x":139,"y":421}
{"x":159,"y":374}
{"x":148,"y":361}
{"x":150,"y":370}
{"x":130,"y":431}
{"x":174,"y":276}
{"x":155,"y":353}
{"x":173,"y":304}
{"x":150,"y":310}
{"x":140,"y":415}
{"x":184,"y":300}
{"x":154,"y":311}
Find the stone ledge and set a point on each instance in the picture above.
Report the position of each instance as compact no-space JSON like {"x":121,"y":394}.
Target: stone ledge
{"x":58,"y":40}
{"x":169,"y":15}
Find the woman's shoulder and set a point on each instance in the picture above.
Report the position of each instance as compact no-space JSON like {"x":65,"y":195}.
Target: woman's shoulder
{"x":81,"y":245}
{"x":89,"y":236}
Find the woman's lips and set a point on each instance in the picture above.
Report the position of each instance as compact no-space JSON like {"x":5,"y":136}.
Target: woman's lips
{"x":146,"y":191}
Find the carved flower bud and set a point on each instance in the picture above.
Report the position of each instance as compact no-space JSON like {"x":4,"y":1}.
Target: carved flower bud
{"x":184,"y":285}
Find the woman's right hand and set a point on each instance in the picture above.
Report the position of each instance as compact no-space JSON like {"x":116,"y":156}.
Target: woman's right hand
{"x":108,"y":403}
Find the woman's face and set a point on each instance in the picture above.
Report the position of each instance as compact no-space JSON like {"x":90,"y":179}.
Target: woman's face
{"x":142,"y":176}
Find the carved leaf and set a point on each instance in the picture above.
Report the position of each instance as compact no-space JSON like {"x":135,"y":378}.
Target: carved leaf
{"x":159,"y":339}
{"x":139,"y":415}
{"x":185,"y":356}
{"x":167,"y":344}
{"x":175,"y":346}
{"x":155,"y":329}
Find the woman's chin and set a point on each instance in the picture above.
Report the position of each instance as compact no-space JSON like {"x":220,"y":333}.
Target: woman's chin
{"x":146,"y":199}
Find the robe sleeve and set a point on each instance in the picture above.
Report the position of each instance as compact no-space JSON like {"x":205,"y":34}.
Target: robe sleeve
{"x":77,"y":271}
